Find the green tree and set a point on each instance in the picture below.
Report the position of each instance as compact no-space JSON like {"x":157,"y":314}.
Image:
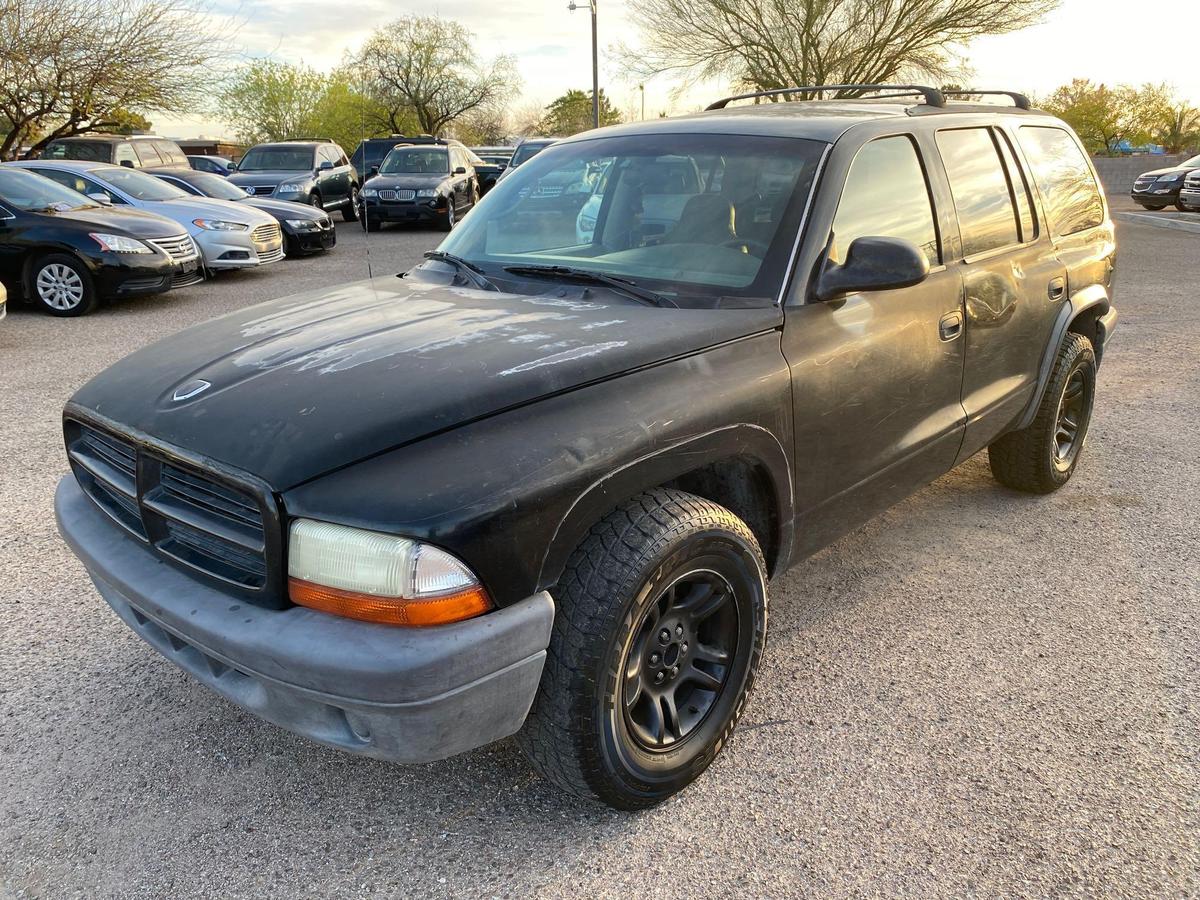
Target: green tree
{"x":424,"y":66}
{"x":572,"y":113}
{"x":765,"y":44}
{"x":68,"y":66}
{"x":267,"y":100}
{"x":1179,"y":130}
{"x":1105,"y":118}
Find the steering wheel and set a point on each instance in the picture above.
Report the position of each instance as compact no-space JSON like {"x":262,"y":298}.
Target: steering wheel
{"x":757,"y":248}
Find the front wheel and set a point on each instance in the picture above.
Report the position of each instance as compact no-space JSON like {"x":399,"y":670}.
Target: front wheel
{"x":1153,"y":207}
{"x":1041,"y":458}
{"x":660,"y":626}
{"x":449,"y":218}
{"x":351,"y":213}
{"x":62,"y":285}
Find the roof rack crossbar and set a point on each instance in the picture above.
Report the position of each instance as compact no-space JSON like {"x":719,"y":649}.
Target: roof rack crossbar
{"x":933,"y":97}
{"x":1019,"y":100}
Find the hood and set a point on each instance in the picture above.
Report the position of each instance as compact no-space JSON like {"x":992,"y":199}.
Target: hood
{"x":284,"y":208}
{"x":306,"y":384}
{"x":133,"y":222}
{"x":413,"y":181}
{"x":184,"y":211}
{"x":1173,"y":170}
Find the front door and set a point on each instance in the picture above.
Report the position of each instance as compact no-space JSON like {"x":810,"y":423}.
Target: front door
{"x":876,"y":377}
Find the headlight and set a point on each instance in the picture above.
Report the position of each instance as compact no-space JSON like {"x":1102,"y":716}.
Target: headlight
{"x":218,"y":225}
{"x":289,"y":189}
{"x":116,"y":243}
{"x":427,"y":192}
{"x":1167,"y":179}
{"x":379,"y":577}
{"x":369,"y":192}
{"x":304,"y":224}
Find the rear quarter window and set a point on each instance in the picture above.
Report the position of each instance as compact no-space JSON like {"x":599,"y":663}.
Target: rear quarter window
{"x":1062,"y":173}
{"x":147,"y":154}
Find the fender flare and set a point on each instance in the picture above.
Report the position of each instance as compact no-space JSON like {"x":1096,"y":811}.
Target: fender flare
{"x":1094,"y":296}
{"x":751,"y":443}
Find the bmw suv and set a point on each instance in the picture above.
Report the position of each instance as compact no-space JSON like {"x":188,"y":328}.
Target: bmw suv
{"x":314,"y":171}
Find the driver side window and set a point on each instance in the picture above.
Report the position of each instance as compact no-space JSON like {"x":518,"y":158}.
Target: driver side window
{"x":886,"y":195}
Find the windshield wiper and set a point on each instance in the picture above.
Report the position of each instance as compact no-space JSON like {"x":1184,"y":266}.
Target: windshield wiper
{"x":468,"y":269}
{"x":622,"y":285}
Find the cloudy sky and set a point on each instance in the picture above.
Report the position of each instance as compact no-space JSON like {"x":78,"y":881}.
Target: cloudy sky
{"x":1084,"y":38}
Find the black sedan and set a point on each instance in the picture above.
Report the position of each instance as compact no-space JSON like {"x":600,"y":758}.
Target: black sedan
{"x":1160,"y":188}
{"x":66,"y":252}
{"x":306,"y":229}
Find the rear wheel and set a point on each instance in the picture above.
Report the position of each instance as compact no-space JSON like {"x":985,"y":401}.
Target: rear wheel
{"x":62,"y":286}
{"x":1041,"y":458}
{"x":660,"y":627}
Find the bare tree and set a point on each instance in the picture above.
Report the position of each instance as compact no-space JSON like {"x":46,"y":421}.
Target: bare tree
{"x":68,"y":66}
{"x":424,"y":64}
{"x":765,"y":44}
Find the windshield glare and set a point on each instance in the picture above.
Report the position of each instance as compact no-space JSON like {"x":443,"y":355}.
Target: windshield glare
{"x":277,"y":159}
{"x":216,"y":186}
{"x":717,"y":221}
{"x":1193,"y":163}
{"x":30,"y":192}
{"x":526,"y":152}
{"x":88,"y":151}
{"x":413,"y":162}
{"x":137,"y":184}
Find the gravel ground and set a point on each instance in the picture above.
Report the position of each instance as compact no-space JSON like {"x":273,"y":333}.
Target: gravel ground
{"x":979,"y":693}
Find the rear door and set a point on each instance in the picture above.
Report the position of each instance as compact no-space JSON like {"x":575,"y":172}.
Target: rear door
{"x":1013,"y":281}
{"x":876,"y":376}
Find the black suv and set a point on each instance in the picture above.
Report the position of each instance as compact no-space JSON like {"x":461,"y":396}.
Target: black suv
{"x":540,"y":484}
{"x":369,"y":154}
{"x":315,"y":172}
{"x":1160,"y":188}
{"x":429,"y":180}
{"x":139,"y":151}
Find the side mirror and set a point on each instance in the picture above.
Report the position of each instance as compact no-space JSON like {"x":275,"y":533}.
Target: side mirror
{"x":233,"y":167}
{"x":373,"y":172}
{"x":102,"y":199}
{"x":127,"y":163}
{"x":873,"y":264}
{"x":461,"y":170}
{"x":325,"y":166}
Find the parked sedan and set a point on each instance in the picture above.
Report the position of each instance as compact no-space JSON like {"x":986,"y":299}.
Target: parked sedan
{"x":306,"y":229}
{"x":1160,"y":188}
{"x":230,"y":235}
{"x":66,"y":252}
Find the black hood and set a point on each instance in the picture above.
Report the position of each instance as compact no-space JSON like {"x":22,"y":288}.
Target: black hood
{"x":1173,"y":170}
{"x":132,"y":222}
{"x":285,"y":209}
{"x":306,"y":384}
{"x":411,"y":181}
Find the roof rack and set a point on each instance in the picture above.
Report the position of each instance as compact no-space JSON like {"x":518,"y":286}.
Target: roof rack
{"x":306,"y":140}
{"x":933,"y":97}
{"x":1019,"y":100}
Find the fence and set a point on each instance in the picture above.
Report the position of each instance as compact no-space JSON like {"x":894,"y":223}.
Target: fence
{"x":1118,"y":173}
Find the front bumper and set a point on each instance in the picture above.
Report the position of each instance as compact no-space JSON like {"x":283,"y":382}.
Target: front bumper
{"x":403,"y":211}
{"x":1156,"y":196}
{"x":309,"y":241}
{"x":1190,"y":197}
{"x":127,"y":276}
{"x":405,"y":695}
{"x":237,"y":250}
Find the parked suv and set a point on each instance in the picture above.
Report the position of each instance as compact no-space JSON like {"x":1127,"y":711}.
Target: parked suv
{"x":1189,"y":194}
{"x":431,"y":181}
{"x":315,"y":172}
{"x":539,"y":486}
{"x":1160,"y":188}
{"x":369,"y":154}
{"x":139,"y":151}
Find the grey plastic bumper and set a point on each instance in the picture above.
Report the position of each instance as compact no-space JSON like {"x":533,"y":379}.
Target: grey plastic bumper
{"x":397,"y":694}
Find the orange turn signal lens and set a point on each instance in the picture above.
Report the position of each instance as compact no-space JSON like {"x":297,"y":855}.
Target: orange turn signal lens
{"x":456,"y":607}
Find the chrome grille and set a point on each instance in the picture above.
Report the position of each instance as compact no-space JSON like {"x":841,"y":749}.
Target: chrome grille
{"x":179,"y":248}
{"x":266,"y":234}
{"x":260,"y":189}
{"x":389,"y":194}
{"x":201,"y":520}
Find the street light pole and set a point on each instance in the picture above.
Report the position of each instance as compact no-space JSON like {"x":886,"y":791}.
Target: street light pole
{"x":595,"y":63}
{"x":642,"y":88}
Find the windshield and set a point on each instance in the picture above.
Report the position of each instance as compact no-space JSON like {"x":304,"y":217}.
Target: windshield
{"x":412,"y":161}
{"x":90,"y":151}
{"x":527,"y":151}
{"x":33,"y":193}
{"x":1193,"y":163}
{"x":714,"y":222}
{"x":278,"y":159}
{"x":137,"y":184}
{"x":216,"y":186}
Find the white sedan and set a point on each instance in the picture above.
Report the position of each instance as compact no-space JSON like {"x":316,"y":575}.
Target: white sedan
{"x":230,"y":235}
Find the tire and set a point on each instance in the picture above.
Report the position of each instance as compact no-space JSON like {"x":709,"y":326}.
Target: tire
{"x":350,"y":213}
{"x":314,"y":200}
{"x":1153,"y":207}
{"x":449,"y":218}
{"x":629,"y":631}
{"x":369,"y":224}
{"x":1041,"y":458}
{"x":61,"y":285}
{"x":1181,"y":207}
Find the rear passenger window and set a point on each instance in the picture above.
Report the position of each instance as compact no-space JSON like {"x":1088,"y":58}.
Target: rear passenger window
{"x":124,"y":153}
{"x":886,"y":195}
{"x":1064,"y":177}
{"x":1020,"y":188}
{"x":986,"y":215}
{"x":147,"y":154}
{"x":170,"y":153}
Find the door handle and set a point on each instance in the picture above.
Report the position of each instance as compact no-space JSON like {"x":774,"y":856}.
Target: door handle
{"x":950,"y":326}
{"x":1057,"y":289}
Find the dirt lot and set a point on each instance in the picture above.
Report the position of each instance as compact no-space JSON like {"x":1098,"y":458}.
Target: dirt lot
{"x":980,"y":693}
